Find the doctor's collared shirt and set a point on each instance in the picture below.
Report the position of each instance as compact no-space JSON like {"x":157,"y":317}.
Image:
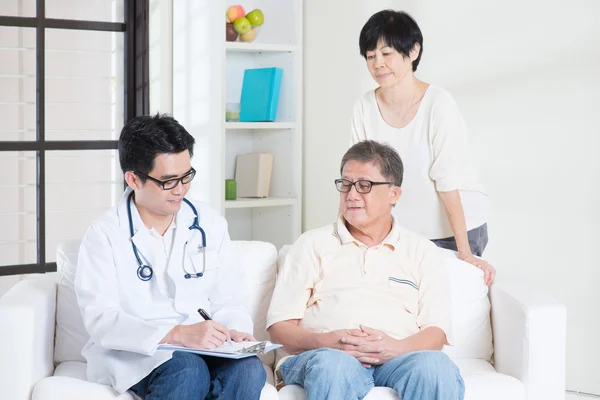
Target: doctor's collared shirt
{"x":163,"y":248}
{"x":329,"y":281}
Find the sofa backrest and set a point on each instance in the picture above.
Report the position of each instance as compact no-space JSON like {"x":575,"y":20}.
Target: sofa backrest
{"x":472,"y":330}
{"x":259,"y":260}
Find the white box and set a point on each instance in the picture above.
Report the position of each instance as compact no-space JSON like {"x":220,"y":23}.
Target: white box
{"x":253,"y":174}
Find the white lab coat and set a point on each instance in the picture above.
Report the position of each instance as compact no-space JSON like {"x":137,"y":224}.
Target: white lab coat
{"x":126,"y":317}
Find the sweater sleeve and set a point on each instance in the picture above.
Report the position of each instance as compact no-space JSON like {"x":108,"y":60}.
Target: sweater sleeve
{"x":451,"y":168}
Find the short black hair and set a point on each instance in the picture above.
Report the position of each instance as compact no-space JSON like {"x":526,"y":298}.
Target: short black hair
{"x":397,"y":29}
{"x":145,"y":137}
{"x":383,"y":156}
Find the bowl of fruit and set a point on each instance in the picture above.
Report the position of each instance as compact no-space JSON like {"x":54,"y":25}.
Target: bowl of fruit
{"x":242,"y":26}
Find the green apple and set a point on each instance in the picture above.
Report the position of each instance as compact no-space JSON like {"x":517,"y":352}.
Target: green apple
{"x":256,"y":17}
{"x":242,"y":25}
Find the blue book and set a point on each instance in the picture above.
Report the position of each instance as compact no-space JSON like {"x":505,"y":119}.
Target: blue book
{"x":260,"y":94}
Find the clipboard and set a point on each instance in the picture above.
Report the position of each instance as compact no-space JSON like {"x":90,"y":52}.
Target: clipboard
{"x":233,"y":350}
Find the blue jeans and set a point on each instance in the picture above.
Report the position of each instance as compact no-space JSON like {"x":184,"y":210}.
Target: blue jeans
{"x":333,"y":374}
{"x":194,"y":377}
{"x":478,"y":240}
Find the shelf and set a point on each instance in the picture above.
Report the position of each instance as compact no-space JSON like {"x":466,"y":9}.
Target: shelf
{"x":243,"y":202}
{"x":259,"y":47}
{"x":261,"y":125}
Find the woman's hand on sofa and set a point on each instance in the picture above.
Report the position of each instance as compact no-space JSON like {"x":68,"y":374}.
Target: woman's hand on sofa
{"x":489,"y":272}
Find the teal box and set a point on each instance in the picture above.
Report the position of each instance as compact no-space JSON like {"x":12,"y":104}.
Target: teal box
{"x":260,"y":94}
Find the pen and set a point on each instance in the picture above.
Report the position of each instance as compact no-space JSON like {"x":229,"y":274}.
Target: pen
{"x":207,"y":317}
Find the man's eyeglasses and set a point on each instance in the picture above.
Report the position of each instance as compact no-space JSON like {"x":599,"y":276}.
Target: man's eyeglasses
{"x":171,"y":184}
{"x":362,"y":186}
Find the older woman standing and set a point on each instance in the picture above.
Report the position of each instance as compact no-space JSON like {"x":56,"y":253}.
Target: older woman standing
{"x":443,"y":199}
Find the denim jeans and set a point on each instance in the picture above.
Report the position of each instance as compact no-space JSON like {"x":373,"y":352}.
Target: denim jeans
{"x":333,"y":374}
{"x":478,"y":240}
{"x":191,"y":376}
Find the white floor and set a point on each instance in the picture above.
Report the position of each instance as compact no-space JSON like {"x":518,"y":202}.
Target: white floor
{"x":571,"y":396}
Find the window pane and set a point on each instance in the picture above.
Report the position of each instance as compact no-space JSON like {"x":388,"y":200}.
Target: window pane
{"x":80,"y":186}
{"x":17,"y":8}
{"x":17,"y":84}
{"x":88,"y":10}
{"x":18,"y":243}
{"x":84,"y":85}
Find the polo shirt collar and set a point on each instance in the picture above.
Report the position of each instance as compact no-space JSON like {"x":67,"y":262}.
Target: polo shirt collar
{"x":341,"y":232}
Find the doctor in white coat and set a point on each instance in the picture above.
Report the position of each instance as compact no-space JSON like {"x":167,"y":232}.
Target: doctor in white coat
{"x":146,"y":266}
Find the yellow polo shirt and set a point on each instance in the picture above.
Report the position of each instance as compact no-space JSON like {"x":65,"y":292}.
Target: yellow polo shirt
{"x":332,"y":281}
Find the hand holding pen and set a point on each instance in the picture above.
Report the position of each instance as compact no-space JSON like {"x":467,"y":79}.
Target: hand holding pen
{"x":207,"y":317}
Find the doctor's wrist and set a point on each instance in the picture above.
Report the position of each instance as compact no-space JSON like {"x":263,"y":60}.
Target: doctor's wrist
{"x":174,"y":336}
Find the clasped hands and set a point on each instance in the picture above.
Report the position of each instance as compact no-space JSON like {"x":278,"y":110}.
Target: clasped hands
{"x":367,"y":345}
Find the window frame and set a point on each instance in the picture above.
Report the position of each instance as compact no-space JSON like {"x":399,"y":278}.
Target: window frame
{"x":136,"y":95}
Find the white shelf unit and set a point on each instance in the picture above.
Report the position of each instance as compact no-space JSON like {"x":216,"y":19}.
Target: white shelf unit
{"x":276,"y":219}
{"x":260,"y":125}
{"x":259,"y":47}
{"x":246,"y":202}
{"x":208,"y":73}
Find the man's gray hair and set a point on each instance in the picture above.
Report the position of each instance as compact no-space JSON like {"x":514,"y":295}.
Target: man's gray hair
{"x":382,"y":155}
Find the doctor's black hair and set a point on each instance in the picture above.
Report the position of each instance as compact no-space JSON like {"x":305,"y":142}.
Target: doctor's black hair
{"x":145,"y":137}
{"x":397,"y":29}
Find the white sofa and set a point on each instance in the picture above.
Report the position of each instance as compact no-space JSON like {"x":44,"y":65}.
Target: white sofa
{"x":41,"y":335}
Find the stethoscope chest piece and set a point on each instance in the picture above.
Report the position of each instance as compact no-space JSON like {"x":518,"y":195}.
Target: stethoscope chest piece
{"x":144,"y":272}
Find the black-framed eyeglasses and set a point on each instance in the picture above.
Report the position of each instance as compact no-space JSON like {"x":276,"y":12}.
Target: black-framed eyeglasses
{"x":362,"y":186}
{"x":170,"y":184}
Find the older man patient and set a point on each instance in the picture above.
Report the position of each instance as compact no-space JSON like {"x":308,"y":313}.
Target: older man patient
{"x":364,"y":302}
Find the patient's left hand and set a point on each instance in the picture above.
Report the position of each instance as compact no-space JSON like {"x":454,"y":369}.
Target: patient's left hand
{"x":374,"y":349}
{"x":241,"y":336}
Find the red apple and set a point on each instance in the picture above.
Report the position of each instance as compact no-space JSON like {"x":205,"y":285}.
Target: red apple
{"x":230,"y":34}
{"x":235,"y":12}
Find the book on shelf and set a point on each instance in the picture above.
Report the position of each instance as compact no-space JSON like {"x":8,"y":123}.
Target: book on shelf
{"x":260,"y":94}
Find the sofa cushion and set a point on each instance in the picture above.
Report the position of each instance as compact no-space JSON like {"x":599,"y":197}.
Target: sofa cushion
{"x":71,"y":335}
{"x":482,"y":382}
{"x":471,"y":325}
{"x":67,"y":388}
{"x":69,"y":376}
{"x":259,"y":260}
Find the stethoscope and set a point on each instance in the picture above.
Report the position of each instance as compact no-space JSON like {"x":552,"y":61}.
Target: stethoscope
{"x":145,"y":272}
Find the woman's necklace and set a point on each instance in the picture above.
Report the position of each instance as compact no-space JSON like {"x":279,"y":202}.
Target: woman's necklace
{"x":403,"y":116}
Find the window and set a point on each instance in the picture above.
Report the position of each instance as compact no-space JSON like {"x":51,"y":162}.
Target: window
{"x":71,"y":73}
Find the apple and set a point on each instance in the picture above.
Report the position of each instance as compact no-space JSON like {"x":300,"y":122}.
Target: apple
{"x":256,"y":17}
{"x":235,"y":12}
{"x":250,"y":36}
{"x":242,"y":25}
{"x":230,"y":34}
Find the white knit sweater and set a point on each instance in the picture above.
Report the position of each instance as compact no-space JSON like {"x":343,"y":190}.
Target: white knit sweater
{"x":433,"y":148}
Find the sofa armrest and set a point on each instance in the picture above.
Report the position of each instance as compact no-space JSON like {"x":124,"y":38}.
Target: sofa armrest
{"x":529,"y":329}
{"x":27,"y":312}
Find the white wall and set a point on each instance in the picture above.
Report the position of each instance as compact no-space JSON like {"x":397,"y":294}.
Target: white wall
{"x":197,"y":90}
{"x":525,"y":74}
